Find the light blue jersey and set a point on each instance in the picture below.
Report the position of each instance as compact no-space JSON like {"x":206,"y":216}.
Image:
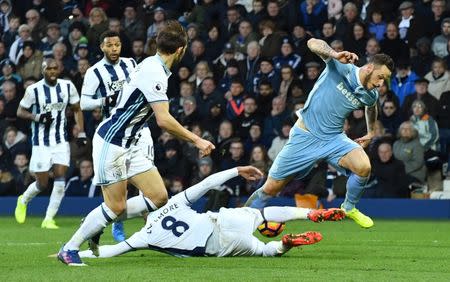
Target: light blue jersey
{"x":337,"y":92}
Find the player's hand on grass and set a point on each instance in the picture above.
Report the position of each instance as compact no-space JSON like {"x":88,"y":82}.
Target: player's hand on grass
{"x":365,"y":140}
{"x":204,"y":146}
{"x":249,"y":172}
{"x":346,"y":57}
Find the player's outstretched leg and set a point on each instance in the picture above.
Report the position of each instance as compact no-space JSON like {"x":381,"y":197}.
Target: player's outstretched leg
{"x":306,"y":238}
{"x":355,"y":188}
{"x":117,"y":231}
{"x":258,"y":199}
{"x":21,"y":207}
{"x":326,"y":215}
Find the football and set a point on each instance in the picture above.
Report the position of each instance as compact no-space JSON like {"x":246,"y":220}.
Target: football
{"x":271,"y":228}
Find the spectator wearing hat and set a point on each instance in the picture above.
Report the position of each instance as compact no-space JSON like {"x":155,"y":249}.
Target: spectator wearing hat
{"x":220,"y":64}
{"x":270,"y":40}
{"x":204,"y":169}
{"x":53,"y":36}
{"x":439,"y":45}
{"x":314,"y":14}
{"x":9,"y":73}
{"x":82,"y":51}
{"x":402,"y":84}
{"x":133,"y":27}
{"x":37,"y":24}
{"x":232,"y":72}
{"x":439,"y":78}
{"x":421,"y":93}
{"x":159,"y":16}
{"x":250,"y":116}
{"x":410,"y":26}
{"x":30,"y":63}
{"x":245,"y":36}
{"x":77,"y":31}
{"x":192,"y":32}
{"x":287,"y":57}
{"x":422,"y":61}
{"x":312,"y":72}
{"x":235,"y":100}
{"x":17,"y":47}
{"x":266,"y":72}
{"x":206,"y":96}
{"x":392,"y":45}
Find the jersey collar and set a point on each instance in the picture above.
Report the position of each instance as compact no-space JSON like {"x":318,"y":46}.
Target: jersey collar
{"x":166,"y":69}
{"x":357,"y":77}
{"x":105,"y":61}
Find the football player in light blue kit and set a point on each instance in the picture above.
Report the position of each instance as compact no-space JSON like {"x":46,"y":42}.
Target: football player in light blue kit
{"x":341,"y":88}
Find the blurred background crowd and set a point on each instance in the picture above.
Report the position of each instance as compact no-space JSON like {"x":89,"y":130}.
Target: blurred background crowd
{"x":245,"y":73}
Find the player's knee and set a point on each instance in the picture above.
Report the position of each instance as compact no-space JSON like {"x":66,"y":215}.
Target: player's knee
{"x":118,"y":208}
{"x":272,"y":188}
{"x":161,"y":199}
{"x":363,"y":169}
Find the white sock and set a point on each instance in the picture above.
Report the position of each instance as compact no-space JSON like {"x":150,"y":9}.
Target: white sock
{"x":270,"y":249}
{"x":94,"y":222}
{"x":108,"y":251}
{"x":283,"y":214}
{"x":55,"y":199}
{"x":30,"y":193}
{"x":137,"y":205}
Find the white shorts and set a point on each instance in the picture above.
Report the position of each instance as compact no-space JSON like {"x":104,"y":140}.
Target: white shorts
{"x":44,"y":157}
{"x":234,"y":233}
{"x":145,"y":142}
{"x":113,"y":163}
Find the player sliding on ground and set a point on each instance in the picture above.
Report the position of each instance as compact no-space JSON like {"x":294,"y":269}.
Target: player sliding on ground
{"x":317,"y":135}
{"x":178,"y":230}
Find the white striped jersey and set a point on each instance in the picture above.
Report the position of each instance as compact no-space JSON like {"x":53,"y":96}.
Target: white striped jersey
{"x":146,"y":85}
{"x":104,"y":79}
{"x":42,"y":98}
{"x":177,"y":229}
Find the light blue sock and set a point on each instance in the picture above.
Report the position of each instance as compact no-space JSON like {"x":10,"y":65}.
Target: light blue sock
{"x":258,"y":199}
{"x":355,"y":188}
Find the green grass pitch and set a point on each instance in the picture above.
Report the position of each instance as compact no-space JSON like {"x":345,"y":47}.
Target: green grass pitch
{"x":394,"y":250}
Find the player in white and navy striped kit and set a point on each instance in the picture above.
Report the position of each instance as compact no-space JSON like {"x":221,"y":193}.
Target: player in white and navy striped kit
{"x":117,"y":157}
{"x":45,"y":104}
{"x":178,"y":230}
{"x":101,"y":86}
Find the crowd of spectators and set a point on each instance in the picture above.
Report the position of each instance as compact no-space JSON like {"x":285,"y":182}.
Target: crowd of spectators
{"x":245,"y":73}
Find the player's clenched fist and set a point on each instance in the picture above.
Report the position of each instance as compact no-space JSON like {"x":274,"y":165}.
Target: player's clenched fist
{"x":204,"y":146}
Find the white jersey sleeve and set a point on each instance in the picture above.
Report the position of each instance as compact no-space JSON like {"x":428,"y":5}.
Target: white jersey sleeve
{"x":29,"y":99}
{"x":89,"y":90}
{"x":151,"y":80}
{"x":74,"y":97}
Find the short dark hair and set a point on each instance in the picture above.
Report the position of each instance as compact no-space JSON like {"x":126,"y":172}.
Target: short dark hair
{"x":107,"y":34}
{"x":171,"y":37}
{"x":383,"y":59}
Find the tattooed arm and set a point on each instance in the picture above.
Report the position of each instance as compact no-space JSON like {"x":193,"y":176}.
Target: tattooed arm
{"x":322,"y":49}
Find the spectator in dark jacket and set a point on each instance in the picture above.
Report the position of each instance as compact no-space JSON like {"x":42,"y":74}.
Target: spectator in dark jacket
{"x":390,"y":117}
{"x":274,"y":122}
{"x":389,"y":174}
{"x":421,"y":93}
{"x":82,"y":186}
{"x":392,"y":45}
